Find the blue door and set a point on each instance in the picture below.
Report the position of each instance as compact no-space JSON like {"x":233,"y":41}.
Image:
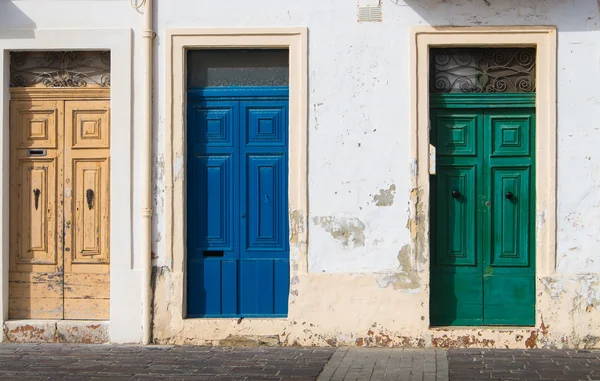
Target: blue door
{"x":237,"y":201}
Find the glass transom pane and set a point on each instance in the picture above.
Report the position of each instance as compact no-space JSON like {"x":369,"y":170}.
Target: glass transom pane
{"x":237,"y":67}
{"x":482,"y":70}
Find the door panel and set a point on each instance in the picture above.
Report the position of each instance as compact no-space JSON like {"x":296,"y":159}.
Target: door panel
{"x":89,"y":124}
{"x":456,"y":241}
{"x":482,"y":269}
{"x":37,"y":123}
{"x":36,"y":177}
{"x":36,"y":211}
{"x":212,"y":195}
{"x":87,"y":215}
{"x":511,"y":134}
{"x":266,"y":212}
{"x":510,"y":219}
{"x":456,"y":132}
{"x":238,"y":254}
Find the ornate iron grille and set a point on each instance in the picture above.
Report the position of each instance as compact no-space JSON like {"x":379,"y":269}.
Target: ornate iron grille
{"x":482,"y":70}
{"x":60,"y":69}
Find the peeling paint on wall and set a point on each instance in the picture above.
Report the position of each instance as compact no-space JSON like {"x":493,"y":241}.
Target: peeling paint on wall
{"x":385,"y":196}
{"x":296,"y":225}
{"x":407,"y":279}
{"x":349,"y":231}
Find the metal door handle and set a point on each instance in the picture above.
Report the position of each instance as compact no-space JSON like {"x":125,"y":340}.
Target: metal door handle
{"x":509,"y":195}
{"x":36,"y":196}
{"x":89,"y":196}
{"x":456,"y":194}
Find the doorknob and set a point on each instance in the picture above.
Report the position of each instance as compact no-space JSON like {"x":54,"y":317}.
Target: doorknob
{"x":456,"y":194}
{"x":36,"y":195}
{"x":89,"y":195}
{"x":509,"y":195}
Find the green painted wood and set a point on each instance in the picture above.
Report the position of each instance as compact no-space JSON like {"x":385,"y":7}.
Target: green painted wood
{"x":509,"y":261}
{"x":482,"y":101}
{"x":483,"y":243}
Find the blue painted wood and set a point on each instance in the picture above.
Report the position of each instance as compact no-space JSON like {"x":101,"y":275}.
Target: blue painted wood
{"x":237,"y":93}
{"x":282,"y":291}
{"x":237,"y":187}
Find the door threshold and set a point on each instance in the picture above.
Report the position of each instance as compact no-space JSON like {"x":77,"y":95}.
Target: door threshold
{"x":56,"y":331}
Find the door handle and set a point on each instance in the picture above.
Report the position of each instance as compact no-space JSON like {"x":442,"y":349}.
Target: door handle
{"x":36,"y":197}
{"x":89,"y":196}
{"x":509,"y":195}
{"x":456,"y":194}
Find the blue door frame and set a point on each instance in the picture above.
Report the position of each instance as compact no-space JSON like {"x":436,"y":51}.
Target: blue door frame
{"x":237,"y":201}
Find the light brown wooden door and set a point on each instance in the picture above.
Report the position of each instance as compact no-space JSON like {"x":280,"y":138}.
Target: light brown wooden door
{"x":60,"y":163}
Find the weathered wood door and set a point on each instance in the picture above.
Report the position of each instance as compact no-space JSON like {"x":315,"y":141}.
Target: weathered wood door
{"x":482,"y":217}
{"x":59,"y":231}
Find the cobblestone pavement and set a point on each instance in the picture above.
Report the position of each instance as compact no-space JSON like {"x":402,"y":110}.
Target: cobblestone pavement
{"x":508,"y":365}
{"x":383,"y":364}
{"x":116,"y":362}
{"x":110,"y":362}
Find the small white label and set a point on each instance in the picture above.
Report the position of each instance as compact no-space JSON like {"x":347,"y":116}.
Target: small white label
{"x":431,"y":160}
{"x":67,"y":192}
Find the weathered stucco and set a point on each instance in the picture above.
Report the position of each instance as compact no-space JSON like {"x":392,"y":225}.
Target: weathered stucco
{"x":364,"y":279}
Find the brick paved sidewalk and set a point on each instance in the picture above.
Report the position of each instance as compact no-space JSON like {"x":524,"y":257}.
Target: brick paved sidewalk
{"x":386,"y":364}
{"x":523,"y":365}
{"x":113,"y":362}
{"x":24,"y":362}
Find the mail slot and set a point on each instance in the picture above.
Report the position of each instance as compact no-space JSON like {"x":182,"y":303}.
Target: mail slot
{"x":213,"y":253}
{"x":36,"y":152}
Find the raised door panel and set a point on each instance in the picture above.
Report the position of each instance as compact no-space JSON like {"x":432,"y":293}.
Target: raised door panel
{"x":90,"y":198}
{"x":36,"y":212}
{"x":87,"y":124}
{"x":211,"y":124}
{"x":457,"y":132}
{"x":456,"y":216}
{"x":36,"y":124}
{"x":266,"y":123}
{"x":210,"y":203}
{"x":511,"y":216}
{"x":266,"y":219}
{"x":510,"y":133}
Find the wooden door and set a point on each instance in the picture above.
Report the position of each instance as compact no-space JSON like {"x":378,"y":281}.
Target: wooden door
{"x":59,"y":245}
{"x":36,"y":259}
{"x":86,"y":256}
{"x":483,"y":268}
{"x":237,"y":198}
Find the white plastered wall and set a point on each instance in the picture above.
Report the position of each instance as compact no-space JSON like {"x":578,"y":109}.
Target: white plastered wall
{"x":362,"y":274}
{"x":125,"y":325}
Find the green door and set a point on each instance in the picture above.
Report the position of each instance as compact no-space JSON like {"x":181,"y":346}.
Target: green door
{"x":482,"y":216}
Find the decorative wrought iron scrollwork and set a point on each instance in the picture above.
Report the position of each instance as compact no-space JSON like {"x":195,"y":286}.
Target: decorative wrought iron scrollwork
{"x":60,"y":69}
{"x":483,"y":70}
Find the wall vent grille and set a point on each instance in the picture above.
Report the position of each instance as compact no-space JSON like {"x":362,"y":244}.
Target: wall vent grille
{"x":369,"y":13}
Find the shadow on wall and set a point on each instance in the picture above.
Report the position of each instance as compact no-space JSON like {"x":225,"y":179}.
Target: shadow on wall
{"x":13,"y":22}
{"x":567,"y":15}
